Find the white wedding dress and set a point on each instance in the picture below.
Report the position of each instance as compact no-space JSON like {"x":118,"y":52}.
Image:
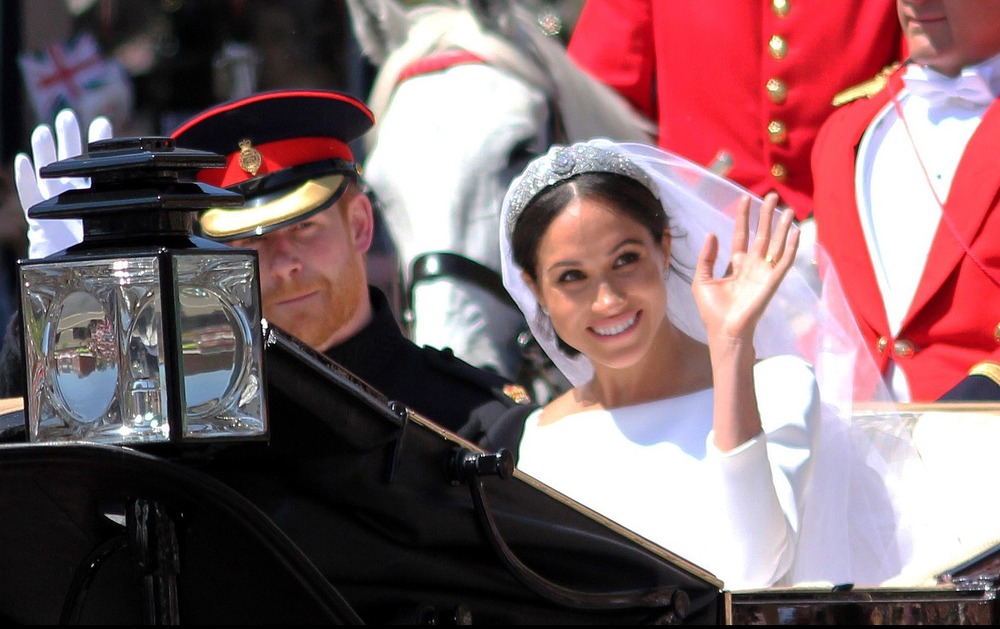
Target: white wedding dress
{"x":653,"y":469}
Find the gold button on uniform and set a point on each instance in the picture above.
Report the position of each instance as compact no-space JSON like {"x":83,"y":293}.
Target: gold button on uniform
{"x":781,"y":7}
{"x":779,"y":172}
{"x":882,"y":343}
{"x":777,"y":91}
{"x":777,"y":132}
{"x":903,"y":348}
{"x":777,"y":46}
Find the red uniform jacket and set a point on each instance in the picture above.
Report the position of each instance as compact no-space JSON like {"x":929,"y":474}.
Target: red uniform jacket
{"x":754,"y":78}
{"x":952,"y":323}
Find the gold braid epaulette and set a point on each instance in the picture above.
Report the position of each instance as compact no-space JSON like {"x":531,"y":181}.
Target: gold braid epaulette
{"x":867,"y":89}
{"x":986,"y":368}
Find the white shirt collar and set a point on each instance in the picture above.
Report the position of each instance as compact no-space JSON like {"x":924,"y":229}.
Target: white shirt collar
{"x":982,"y":80}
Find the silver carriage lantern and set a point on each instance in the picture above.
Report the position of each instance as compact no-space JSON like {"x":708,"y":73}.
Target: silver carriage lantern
{"x":144,"y":332}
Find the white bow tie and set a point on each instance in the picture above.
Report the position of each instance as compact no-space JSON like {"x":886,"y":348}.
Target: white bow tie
{"x":937,"y":88}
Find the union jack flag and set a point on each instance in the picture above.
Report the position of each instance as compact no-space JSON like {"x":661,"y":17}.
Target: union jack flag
{"x":69,"y":74}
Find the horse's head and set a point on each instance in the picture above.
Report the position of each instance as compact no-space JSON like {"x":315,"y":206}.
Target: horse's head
{"x":466,"y":94}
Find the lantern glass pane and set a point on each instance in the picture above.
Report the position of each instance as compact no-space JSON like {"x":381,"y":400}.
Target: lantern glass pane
{"x":220,"y":340}
{"x":94,"y":350}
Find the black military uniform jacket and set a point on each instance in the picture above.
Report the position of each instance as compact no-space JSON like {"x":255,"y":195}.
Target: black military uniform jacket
{"x":432,"y":382}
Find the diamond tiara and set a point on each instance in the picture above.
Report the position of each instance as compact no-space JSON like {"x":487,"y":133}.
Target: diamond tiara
{"x":563,"y":162}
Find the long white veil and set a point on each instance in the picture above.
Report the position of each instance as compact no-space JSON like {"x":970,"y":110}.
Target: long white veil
{"x":851,"y":526}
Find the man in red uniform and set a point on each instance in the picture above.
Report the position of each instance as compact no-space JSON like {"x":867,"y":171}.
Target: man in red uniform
{"x":907,"y":184}
{"x":749,"y":80}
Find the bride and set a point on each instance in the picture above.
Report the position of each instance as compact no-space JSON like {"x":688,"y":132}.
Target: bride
{"x":696,"y":414}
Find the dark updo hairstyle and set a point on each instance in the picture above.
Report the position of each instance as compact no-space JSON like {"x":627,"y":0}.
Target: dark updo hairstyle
{"x":622,"y":194}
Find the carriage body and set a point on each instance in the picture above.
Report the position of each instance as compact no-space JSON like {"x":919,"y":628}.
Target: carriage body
{"x":356,"y":512}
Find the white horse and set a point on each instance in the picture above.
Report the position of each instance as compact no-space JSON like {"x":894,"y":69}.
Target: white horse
{"x":466,"y":94}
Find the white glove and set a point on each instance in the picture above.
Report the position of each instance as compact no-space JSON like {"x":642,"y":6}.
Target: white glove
{"x":50,"y":235}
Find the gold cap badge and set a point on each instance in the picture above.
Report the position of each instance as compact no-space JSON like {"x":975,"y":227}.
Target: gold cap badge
{"x":250,"y":159}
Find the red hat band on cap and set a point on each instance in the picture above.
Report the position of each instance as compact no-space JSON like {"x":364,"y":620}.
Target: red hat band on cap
{"x":287,"y":153}
{"x":251,"y":161}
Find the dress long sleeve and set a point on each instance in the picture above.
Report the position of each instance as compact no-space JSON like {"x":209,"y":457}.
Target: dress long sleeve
{"x":651,"y":468}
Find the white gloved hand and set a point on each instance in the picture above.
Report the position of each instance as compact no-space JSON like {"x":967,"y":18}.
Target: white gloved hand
{"x":48,"y":236}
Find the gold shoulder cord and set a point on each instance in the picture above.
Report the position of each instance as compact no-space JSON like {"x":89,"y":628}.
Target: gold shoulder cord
{"x":867,"y":89}
{"x":988,"y":369}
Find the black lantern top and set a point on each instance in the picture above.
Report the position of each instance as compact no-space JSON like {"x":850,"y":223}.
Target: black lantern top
{"x":142,"y":191}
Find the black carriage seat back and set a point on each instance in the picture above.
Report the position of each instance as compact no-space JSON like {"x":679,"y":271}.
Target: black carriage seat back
{"x":95,"y":534}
